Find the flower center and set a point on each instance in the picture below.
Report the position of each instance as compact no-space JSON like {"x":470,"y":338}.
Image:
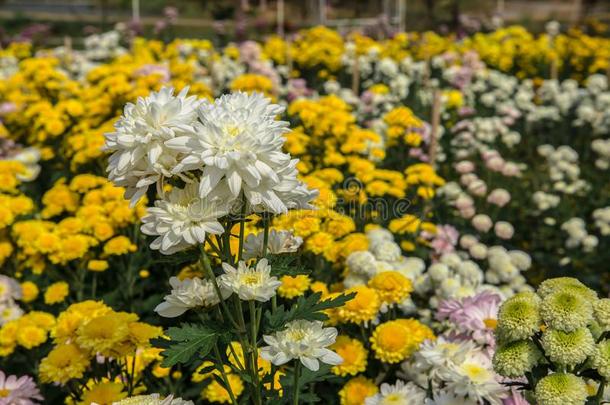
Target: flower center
{"x":250,"y":279}
{"x":296,"y":335}
{"x":490,"y":323}
{"x":4,"y":392}
{"x":393,"y":399}
{"x":232,"y":130}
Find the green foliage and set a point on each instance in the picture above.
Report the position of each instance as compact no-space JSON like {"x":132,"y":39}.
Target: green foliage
{"x":186,"y":341}
{"x":308,"y":308}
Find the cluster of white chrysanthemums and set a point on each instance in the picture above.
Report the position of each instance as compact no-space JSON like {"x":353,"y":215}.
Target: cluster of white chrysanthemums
{"x":226,"y":154}
{"x":103,"y":46}
{"x":601,"y":216}
{"x":383,"y":255}
{"x":10,"y":290}
{"x":602,"y":148}
{"x":450,"y":277}
{"x":505,"y":267}
{"x":564,"y":170}
{"x":459,"y":372}
{"x":578,"y":237}
{"x":545,"y":201}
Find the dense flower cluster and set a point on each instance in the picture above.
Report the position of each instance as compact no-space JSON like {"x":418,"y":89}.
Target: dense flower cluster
{"x":331,"y":218}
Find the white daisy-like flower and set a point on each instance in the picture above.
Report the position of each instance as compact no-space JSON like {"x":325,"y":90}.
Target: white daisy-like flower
{"x":238,"y":141}
{"x":279,"y":242}
{"x":153,"y":399}
{"x":250,"y":283}
{"x":400,"y":393}
{"x":306,"y":341}
{"x":474,"y":378}
{"x":189,"y":293}
{"x":140,"y":156}
{"x":183,"y":219}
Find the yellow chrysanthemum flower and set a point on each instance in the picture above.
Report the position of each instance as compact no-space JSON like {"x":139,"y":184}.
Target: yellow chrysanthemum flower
{"x":104,"y":393}
{"x":293,"y":286}
{"x":56,"y":293}
{"x":362,"y":308}
{"x":356,"y":390}
{"x":395,"y":341}
{"x":391,"y":286}
{"x":63,"y":363}
{"x":354,"y":356}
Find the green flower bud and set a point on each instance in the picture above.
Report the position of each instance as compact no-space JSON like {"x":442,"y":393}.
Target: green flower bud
{"x":568,"y":348}
{"x":518,"y":317}
{"x":566,"y":310}
{"x":516,"y":358}
{"x":561,"y":389}
{"x":601,"y":358}
{"x":555,"y":284}
{"x":601,"y":311}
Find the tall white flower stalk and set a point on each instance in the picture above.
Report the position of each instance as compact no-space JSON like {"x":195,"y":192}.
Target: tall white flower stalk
{"x":213,"y":164}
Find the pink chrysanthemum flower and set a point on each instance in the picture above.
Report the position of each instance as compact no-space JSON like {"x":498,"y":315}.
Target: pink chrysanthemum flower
{"x":474,"y":316}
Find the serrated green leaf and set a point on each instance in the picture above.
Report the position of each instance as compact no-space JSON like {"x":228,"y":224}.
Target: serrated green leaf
{"x":308,"y":308}
{"x":286,"y":265}
{"x":191,"y":340}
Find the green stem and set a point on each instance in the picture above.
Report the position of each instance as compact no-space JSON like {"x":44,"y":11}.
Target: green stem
{"x":205,"y":260}
{"x":221,"y":368}
{"x":297,"y":371}
{"x":254,"y":350}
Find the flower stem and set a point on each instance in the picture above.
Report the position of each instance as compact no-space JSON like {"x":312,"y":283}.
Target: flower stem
{"x":205,"y":260}
{"x":254,"y":350}
{"x":297,"y":372}
{"x":221,"y":368}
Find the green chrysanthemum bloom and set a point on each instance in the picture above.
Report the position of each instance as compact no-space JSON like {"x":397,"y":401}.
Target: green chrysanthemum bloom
{"x":516,"y":358}
{"x":601,"y":358}
{"x":518,"y":317}
{"x":561,"y":389}
{"x":566,"y":310}
{"x":568,"y":348}
{"x":601,"y":311}
{"x":560,"y":283}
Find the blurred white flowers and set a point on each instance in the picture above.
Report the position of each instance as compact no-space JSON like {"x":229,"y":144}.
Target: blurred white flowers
{"x":279,"y":242}
{"x":304,"y":340}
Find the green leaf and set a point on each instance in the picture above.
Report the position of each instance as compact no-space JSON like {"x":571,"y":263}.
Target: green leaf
{"x":286,"y":265}
{"x":308,"y":308}
{"x":191,"y":340}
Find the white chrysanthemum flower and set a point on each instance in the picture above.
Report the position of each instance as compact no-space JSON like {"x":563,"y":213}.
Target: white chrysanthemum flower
{"x":437,"y":357}
{"x":362,"y":263}
{"x":475,"y":378}
{"x":153,"y":399}
{"x":237,"y":141}
{"x":187,"y":294}
{"x":250,"y":283}
{"x":9,"y":289}
{"x":279,"y":242}
{"x":140,"y":156}
{"x":306,"y":341}
{"x":399,"y":393}
{"x":9,"y":311}
{"x":183,"y":219}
